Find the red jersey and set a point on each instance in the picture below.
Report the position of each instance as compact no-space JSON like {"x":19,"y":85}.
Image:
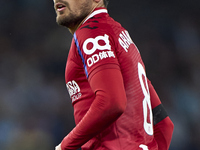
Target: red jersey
{"x":102,"y":43}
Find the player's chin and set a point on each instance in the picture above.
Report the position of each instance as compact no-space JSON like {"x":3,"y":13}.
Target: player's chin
{"x":61,"y":20}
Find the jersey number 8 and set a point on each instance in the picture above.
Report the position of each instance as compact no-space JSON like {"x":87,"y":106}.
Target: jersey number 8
{"x":148,"y":122}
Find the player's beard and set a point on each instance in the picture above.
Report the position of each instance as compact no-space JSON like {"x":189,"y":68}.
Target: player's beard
{"x":72,"y":19}
{"x":69,"y":21}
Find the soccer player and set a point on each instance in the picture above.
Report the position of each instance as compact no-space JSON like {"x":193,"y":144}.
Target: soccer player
{"x":115,"y":105}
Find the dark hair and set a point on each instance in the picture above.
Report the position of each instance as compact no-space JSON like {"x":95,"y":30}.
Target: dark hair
{"x":105,"y":3}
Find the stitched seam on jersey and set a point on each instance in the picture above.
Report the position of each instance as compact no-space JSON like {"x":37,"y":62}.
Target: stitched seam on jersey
{"x":95,"y":13}
{"x":80,"y":53}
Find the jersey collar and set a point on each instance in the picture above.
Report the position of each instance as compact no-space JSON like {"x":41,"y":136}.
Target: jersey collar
{"x":95,"y":12}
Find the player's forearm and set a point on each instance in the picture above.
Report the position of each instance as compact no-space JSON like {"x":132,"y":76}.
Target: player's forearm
{"x":109,"y":104}
{"x":97,"y":119}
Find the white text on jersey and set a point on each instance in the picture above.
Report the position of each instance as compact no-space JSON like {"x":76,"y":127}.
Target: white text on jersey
{"x":74,"y":90}
{"x":125,"y":40}
{"x":102,"y":55}
{"x":104,"y":47}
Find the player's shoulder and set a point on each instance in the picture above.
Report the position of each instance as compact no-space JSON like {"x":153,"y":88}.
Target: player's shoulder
{"x":98,"y":25}
{"x":94,"y":28}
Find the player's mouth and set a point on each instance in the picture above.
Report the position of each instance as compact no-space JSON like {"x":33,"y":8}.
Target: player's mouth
{"x":60,"y":7}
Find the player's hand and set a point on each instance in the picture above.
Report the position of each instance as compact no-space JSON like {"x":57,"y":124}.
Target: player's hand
{"x":58,"y":147}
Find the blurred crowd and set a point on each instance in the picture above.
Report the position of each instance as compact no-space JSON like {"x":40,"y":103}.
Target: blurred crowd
{"x":35,"y":109}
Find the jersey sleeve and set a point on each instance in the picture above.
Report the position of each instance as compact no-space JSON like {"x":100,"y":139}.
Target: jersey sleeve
{"x":108,"y":105}
{"x":96,"y":48}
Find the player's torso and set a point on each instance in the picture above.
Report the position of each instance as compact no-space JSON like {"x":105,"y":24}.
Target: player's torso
{"x":135,"y":126}
{"x":133,"y":130}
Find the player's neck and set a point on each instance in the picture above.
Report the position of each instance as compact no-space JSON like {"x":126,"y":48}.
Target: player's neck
{"x":73,"y":29}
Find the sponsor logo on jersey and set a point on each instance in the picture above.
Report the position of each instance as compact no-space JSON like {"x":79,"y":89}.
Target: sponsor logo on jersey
{"x":94,"y":44}
{"x":125,"y":40}
{"x":97,"y":57}
{"x":101,"y":43}
{"x":74,"y":90}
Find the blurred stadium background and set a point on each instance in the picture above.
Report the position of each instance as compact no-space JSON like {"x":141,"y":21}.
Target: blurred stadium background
{"x":35,"y":109}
